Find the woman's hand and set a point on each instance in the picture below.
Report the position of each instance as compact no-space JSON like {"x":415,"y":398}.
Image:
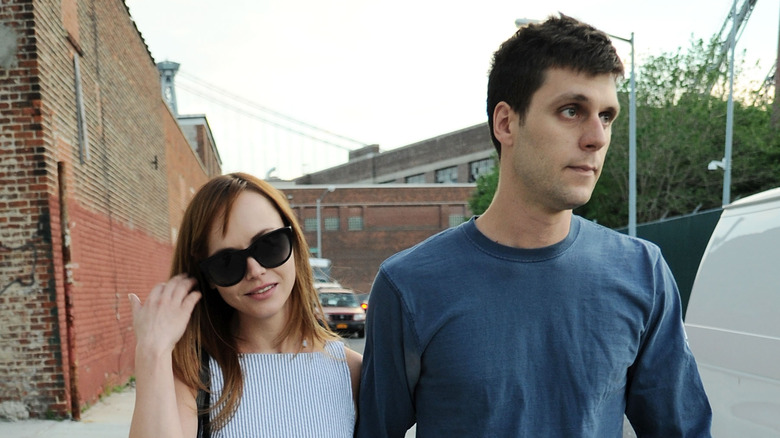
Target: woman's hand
{"x":160,"y":322}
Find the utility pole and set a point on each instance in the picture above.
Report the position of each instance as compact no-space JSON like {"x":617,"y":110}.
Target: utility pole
{"x":775,"y":103}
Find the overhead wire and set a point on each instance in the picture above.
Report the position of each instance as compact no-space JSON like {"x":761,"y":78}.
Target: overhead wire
{"x":226,"y":104}
{"x":232,"y":97}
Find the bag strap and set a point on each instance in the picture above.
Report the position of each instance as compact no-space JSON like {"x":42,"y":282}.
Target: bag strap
{"x":203,"y":397}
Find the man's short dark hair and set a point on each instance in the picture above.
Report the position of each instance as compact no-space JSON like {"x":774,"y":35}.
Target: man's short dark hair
{"x":519,"y":65}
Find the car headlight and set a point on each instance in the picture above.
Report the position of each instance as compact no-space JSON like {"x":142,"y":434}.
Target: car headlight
{"x":359,"y":317}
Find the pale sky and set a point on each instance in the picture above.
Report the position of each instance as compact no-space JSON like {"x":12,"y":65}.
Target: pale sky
{"x":388,"y":72}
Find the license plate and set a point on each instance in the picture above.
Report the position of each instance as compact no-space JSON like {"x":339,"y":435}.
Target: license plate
{"x":341,"y":326}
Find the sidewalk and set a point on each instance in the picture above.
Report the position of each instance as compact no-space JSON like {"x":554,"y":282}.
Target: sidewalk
{"x":109,"y":418}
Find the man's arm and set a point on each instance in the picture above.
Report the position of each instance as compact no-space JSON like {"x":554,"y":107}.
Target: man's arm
{"x":390,"y":366}
{"x":665,"y":396}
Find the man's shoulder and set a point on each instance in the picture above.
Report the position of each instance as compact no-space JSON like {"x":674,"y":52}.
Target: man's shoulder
{"x":599,"y":236}
{"x":429,"y":249}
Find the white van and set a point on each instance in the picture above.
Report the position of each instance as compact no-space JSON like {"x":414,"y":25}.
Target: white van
{"x":733,"y":318}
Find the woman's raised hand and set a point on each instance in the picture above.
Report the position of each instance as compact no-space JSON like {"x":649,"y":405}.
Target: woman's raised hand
{"x":160,"y":322}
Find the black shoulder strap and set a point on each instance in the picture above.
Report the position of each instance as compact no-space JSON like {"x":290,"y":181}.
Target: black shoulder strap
{"x":203,"y":398}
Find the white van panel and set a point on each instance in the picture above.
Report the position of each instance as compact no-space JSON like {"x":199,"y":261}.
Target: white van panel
{"x":733,"y":318}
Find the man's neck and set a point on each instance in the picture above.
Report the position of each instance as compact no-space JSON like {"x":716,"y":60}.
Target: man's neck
{"x":521,"y":227}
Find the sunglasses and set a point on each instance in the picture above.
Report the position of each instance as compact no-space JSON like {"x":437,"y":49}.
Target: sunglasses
{"x":228,"y":266}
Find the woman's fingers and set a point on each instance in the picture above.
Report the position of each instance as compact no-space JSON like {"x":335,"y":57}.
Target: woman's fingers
{"x":161,"y":320}
{"x":190,"y":300}
{"x":135,"y":303}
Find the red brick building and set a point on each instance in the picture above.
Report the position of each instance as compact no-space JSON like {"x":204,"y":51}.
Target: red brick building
{"x":388,"y":201}
{"x":95,"y":173}
{"x":455,"y":157}
{"x":362,"y":225}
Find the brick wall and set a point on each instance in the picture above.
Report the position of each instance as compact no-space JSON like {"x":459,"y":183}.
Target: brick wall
{"x":30,"y":353}
{"x":186,"y":173}
{"x":86,"y":216}
{"x":394,"y":217}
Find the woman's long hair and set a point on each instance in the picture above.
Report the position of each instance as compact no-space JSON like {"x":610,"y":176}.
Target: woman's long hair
{"x":209,"y":328}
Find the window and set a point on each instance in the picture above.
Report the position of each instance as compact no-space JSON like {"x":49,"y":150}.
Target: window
{"x":479,"y":168}
{"x":331,"y":224}
{"x":415,"y":179}
{"x":310,"y":224}
{"x":456,"y":219}
{"x":355,"y":223}
{"x":447,"y":175}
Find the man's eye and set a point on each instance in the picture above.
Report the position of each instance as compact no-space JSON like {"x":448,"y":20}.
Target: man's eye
{"x":607,"y":118}
{"x":569,"y":112}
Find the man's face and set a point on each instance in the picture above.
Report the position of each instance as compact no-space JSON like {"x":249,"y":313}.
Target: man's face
{"x":558,"y":152}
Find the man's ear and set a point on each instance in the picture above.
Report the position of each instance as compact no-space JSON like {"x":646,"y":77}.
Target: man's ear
{"x":503,"y":119}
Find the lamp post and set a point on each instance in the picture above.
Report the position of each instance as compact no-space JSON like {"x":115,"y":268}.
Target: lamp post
{"x":730,"y":109}
{"x":631,"y":129}
{"x":631,"y":140}
{"x":319,"y":219}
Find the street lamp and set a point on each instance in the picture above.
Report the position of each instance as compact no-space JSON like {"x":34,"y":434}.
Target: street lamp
{"x":631,"y":129}
{"x":730,"y":109}
{"x":319,"y":219}
{"x":631,"y":141}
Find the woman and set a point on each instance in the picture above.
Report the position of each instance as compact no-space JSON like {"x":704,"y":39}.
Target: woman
{"x":235,"y":331}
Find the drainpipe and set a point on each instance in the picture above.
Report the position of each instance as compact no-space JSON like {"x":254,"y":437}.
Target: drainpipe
{"x":75,"y":407}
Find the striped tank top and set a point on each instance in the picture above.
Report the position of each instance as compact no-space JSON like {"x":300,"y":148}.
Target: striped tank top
{"x":289,"y":395}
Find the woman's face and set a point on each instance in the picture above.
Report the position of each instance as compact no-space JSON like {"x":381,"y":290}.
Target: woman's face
{"x":262,"y":293}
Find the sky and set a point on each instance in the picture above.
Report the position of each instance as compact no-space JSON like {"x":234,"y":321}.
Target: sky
{"x":386,"y":72}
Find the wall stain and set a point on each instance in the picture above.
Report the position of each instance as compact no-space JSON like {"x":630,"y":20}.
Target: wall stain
{"x":25,"y":275}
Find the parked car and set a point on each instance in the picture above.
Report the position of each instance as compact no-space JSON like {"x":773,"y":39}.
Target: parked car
{"x":733,"y":318}
{"x":343,"y":310}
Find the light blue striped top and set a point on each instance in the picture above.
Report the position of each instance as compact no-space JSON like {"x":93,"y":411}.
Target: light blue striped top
{"x":289,"y":395}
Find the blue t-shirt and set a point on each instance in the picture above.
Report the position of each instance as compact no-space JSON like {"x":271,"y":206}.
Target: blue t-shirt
{"x":470,"y":338}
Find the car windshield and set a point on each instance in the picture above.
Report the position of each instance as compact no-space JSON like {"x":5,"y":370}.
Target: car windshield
{"x":338,"y":300}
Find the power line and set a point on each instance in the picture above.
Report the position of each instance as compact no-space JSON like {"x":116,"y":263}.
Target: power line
{"x":232,"y":107}
{"x":234,"y":97}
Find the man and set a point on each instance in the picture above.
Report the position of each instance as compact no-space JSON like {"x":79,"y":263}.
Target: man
{"x":529,"y":321}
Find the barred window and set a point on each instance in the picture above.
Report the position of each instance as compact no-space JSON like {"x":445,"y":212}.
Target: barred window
{"x":355,"y":223}
{"x":447,"y":175}
{"x":415,"y":179}
{"x":456,"y":219}
{"x":310,"y":224}
{"x":479,"y":168}
{"x":331,"y":224}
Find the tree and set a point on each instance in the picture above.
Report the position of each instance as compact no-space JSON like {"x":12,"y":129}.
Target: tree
{"x":486,"y":188}
{"x":680,"y":129}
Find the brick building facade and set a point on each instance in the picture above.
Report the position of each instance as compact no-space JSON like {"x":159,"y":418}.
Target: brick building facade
{"x":95,"y":173}
{"x":362,"y":225}
{"x":456,"y":157}
{"x":384,"y":202}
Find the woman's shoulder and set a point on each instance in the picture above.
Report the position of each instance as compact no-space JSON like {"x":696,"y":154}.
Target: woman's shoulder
{"x":354,"y":359}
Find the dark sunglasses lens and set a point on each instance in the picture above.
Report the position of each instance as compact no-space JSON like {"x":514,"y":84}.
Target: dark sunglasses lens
{"x":226,"y":268}
{"x":273,"y":249}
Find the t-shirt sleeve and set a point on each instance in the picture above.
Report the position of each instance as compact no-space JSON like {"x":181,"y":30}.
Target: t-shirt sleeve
{"x":390,"y":366}
{"x":665,"y":395}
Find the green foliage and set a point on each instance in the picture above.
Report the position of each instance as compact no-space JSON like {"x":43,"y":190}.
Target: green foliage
{"x":680,"y":129}
{"x":486,"y":188}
